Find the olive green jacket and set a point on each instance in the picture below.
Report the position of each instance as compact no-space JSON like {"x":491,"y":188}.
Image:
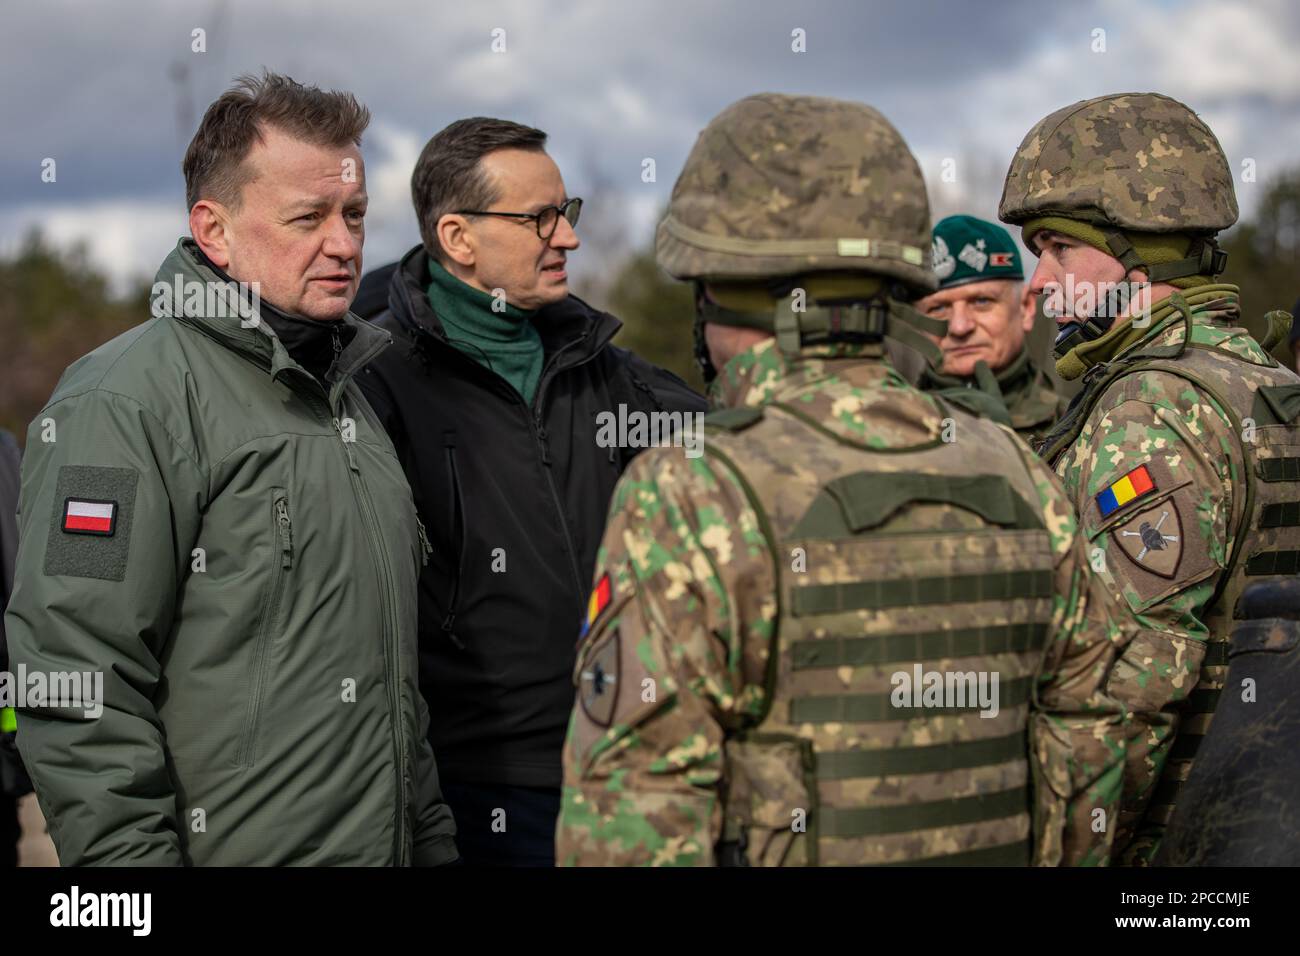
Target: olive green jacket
{"x":250,"y":604}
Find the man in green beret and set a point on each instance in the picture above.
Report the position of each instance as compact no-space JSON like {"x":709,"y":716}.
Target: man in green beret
{"x":982,"y":297}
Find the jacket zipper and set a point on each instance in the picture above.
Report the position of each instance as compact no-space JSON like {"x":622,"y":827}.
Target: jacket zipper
{"x":391,"y":656}
{"x":539,"y":430}
{"x":283,"y":562}
{"x":391,"y":659}
{"x":457,"y":528}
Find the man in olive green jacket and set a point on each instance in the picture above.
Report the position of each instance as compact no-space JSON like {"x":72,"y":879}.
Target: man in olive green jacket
{"x":214,"y":525}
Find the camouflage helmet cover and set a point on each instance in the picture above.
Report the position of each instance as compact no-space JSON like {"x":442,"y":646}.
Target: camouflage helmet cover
{"x":780,"y":185}
{"x":1136,"y":161}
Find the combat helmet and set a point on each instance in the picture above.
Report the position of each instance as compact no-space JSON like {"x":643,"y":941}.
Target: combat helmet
{"x":1137,"y":175}
{"x":780,"y":186}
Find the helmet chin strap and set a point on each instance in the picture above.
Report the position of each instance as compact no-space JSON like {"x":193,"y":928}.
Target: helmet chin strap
{"x":1076,"y":333}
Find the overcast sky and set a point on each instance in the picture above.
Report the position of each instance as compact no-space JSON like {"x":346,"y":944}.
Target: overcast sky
{"x":113,"y":91}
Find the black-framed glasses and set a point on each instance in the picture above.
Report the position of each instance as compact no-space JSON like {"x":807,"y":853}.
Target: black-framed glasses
{"x":546,"y":219}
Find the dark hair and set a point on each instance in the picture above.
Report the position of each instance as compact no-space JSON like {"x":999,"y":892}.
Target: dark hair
{"x":214,"y":165}
{"x":448,"y":176}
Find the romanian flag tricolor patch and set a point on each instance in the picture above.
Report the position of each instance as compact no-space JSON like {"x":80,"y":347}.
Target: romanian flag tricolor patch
{"x":599,"y":600}
{"x":1133,"y":485}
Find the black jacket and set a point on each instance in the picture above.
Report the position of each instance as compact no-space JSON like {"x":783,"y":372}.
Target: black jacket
{"x":514,"y":499}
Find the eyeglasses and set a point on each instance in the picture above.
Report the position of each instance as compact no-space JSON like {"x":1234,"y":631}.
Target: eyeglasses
{"x":546,"y":220}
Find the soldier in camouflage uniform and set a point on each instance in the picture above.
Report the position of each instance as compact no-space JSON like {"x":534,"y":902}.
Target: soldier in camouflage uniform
{"x":981,"y":296}
{"x":1181,"y":453}
{"x":787,"y":636}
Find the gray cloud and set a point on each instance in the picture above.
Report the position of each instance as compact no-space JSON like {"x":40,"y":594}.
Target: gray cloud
{"x":113,"y":92}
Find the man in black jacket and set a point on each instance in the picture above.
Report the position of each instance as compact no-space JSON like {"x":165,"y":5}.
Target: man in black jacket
{"x":494,"y":394}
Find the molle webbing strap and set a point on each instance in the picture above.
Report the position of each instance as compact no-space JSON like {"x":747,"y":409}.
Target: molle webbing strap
{"x":905,"y":592}
{"x":1009,"y":854}
{"x":1216,"y":653}
{"x":1280,"y":514}
{"x":874,"y":708}
{"x":1279,"y":469}
{"x":1199,"y":701}
{"x":1273,"y":562}
{"x":936,"y":758}
{"x":1203,"y":700}
{"x":918,"y":645}
{"x":875,"y":821}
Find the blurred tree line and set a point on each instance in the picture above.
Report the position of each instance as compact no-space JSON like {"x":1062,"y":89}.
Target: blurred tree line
{"x":1264,"y":256}
{"x":55,"y":306}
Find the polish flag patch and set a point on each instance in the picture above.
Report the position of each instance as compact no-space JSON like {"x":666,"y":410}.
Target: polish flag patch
{"x":87,"y":516}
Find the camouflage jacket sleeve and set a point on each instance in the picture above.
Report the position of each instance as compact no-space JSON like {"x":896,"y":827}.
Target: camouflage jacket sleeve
{"x":1077,"y":730}
{"x":1151,"y":477}
{"x":674,"y":654}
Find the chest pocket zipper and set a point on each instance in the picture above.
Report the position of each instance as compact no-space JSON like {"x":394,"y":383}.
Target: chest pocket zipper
{"x":281,"y":564}
{"x":456,"y":509}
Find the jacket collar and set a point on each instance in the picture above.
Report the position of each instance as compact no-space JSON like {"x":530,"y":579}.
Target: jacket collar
{"x":571,"y":326}
{"x":225,"y":313}
{"x":840,"y":392}
{"x":1018,"y":375}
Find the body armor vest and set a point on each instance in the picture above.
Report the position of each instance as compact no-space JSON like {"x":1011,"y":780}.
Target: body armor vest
{"x":1263,"y":405}
{"x":915,"y":596}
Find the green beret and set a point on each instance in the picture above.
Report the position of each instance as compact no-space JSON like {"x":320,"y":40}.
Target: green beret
{"x":967,"y":249}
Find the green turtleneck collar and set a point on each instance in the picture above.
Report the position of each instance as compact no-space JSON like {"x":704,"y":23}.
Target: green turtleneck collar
{"x":503,"y":340}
